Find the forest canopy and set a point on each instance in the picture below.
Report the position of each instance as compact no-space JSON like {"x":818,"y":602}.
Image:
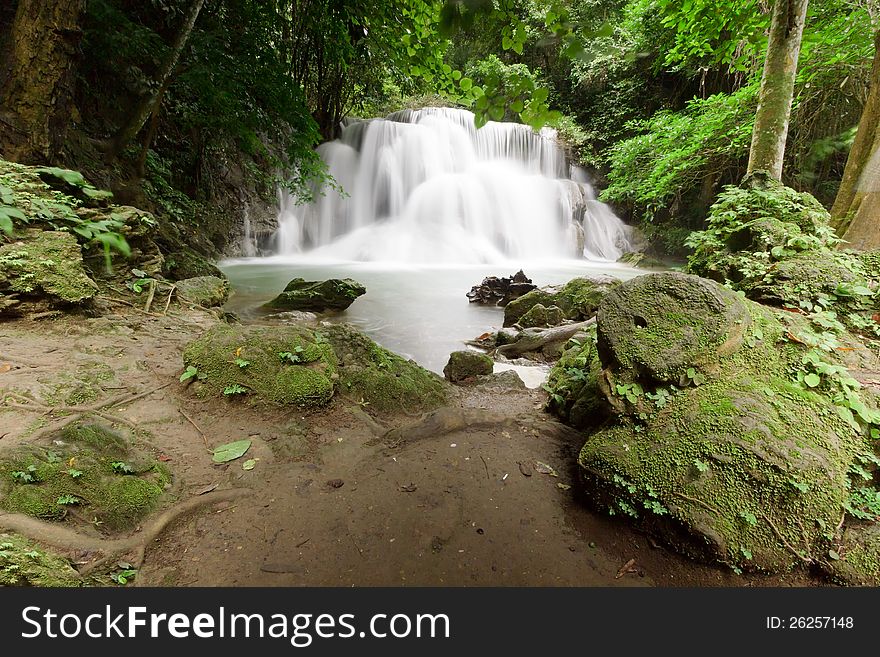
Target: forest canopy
{"x":656,"y":98}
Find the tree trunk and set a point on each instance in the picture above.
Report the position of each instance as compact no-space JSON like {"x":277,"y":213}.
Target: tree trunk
{"x":777,"y":87}
{"x":860,"y":177}
{"x":151,"y":101}
{"x":36,"y":97}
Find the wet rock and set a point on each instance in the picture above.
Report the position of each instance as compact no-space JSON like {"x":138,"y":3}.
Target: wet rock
{"x":542,"y":317}
{"x":317,"y":296}
{"x":578,"y":299}
{"x":186,"y":263}
{"x":467,"y":364}
{"x":501,"y":291}
{"x":206,"y":291}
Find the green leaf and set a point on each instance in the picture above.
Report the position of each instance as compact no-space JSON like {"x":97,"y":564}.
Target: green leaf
{"x":249,"y":464}
{"x":231,"y":451}
{"x":465,"y":84}
{"x":189,"y":373}
{"x":812,"y":380}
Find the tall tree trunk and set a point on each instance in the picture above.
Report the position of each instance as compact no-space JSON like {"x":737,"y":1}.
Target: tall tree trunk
{"x":860,"y":177}
{"x":777,"y":87}
{"x":151,"y":101}
{"x":36,"y":97}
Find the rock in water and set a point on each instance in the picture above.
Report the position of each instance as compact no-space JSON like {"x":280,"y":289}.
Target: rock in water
{"x":578,"y":299}
{"x":207,"y":291}
{"x":541,"y":316}
{"x":317,"y":296}
{"x":467,"y":364}
{"x":501,"y":291}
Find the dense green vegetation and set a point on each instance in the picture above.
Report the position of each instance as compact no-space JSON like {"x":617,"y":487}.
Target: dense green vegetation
{"x":165,"y":101}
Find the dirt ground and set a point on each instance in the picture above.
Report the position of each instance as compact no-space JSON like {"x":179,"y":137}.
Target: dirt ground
{"x":329,"y":503}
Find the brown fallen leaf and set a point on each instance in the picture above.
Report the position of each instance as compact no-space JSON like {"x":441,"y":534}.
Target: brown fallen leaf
{"x":207,"y":489}
{"x":628,"y":567}
{"x":526,"y":470}
{"x":335,"y":483}
{"x":5,"y":367}
{"x":164,"y":458}
{"x":543,"y":468}
{"x":409,"y":488}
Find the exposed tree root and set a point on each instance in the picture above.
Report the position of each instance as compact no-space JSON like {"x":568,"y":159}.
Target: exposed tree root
{"x":77,"y":412}
{"x":442,"y":421}
{"x":535,"y":339}
{"x":65,"y":538}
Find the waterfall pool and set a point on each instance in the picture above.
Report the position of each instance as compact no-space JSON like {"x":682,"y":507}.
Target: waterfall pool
{"x":421,"y":313}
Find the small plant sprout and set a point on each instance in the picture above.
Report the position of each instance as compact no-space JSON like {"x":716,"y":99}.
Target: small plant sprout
{"x":291,"y":356}
{"x":119,"y":467}
{"x":68,"y":500}
{"x":234,"y":389}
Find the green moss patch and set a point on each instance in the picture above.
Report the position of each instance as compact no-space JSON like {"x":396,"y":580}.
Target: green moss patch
{"x":45,"y":264}
{"x":92,"y":474}
{"x":296,"y":365}
{"x":578,"y":299}
{"x":276,"y":364}
{"x":22,"y":563}
{"x":380,"y":378}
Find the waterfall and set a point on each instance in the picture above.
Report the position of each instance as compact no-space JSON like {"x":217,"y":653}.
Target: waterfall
{"x":248,"y":242}
{"x":426,"y":186}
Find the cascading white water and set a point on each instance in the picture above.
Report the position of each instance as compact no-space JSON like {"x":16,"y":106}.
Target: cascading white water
{"x":426,"y":186}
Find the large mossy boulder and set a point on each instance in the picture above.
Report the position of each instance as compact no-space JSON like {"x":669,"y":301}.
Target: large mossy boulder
{"x":775,"y":245}
{"x":317,"y":296}
{"x":206,"y":291}
{"x":467,"y":364}
{"x":708,"y":433}
{"x":578,"y":299}
{"x":379,"y":378}
{"x":305,"y":367}
{"x":47,"y":267}
{"x":659,"y":327}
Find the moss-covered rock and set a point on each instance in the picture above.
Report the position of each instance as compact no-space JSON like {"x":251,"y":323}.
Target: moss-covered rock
{"x":856,"y":561}
{"x":578,"y":299}
{"x":573,"y":385}
{"x":186,"y":263}
{"x":380,"y":378}
{"x":206,"y":291}
{"x":710,"y":441}
{"x":660,"y":326}
{"x":275,"y":364}
{"x":305,"y":367}
{"x":91,"y":468}
{"x":45,"y":266}
{"x":22,"y":563}
{"x":639,"y":259}
{"x":317,"y":296}
{"x":467,"y":364}
{"x":542,"y":316}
